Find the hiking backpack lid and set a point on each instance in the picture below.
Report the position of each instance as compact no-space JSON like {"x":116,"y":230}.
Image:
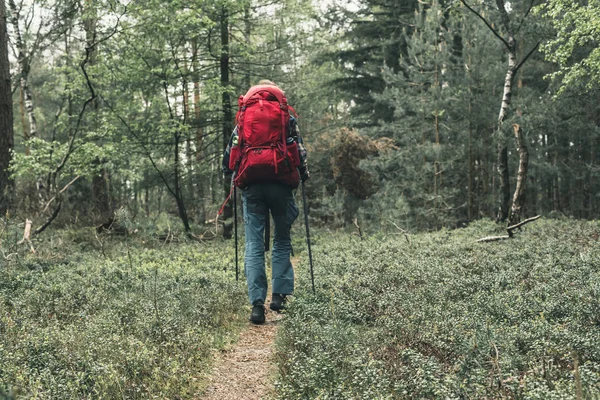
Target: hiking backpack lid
{"x":263,"y":153}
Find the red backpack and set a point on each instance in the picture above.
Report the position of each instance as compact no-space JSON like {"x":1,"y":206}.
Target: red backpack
{"x":262,"y":153}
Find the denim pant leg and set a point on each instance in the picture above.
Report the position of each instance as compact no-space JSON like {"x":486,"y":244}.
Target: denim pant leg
{"x":283,"y":272}
{"x":254,"y":259}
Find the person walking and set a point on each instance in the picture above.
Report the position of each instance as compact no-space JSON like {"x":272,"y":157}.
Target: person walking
{"x":268,"y":158}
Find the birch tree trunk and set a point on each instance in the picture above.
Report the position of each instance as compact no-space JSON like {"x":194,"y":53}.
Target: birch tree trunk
{"x":519,"y":196}
{"x":503,"y":172}
{"x":6,"y":116}
{"x":24,"y":63}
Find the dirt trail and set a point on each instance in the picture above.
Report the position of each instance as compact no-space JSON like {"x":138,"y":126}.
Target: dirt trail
{"x":245,"y":371}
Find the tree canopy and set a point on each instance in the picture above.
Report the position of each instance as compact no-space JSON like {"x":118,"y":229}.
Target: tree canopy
{"x":129,"y":105}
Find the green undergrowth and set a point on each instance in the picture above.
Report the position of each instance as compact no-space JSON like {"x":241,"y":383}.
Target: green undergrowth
{"x":439,"y":316}
{"x":90,"y":316}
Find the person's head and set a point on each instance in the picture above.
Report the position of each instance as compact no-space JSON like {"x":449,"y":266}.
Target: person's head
{"x":267,"y":82}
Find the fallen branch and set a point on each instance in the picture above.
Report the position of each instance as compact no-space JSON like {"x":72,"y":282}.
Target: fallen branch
{"x":9,"y":256}
{"x":510,"y":230}
{"x":492,"y":238}
{"x":520,"y":224}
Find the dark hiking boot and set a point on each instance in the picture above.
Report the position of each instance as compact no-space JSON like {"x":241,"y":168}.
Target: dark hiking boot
{"x":278,"y":302}
{"x":258,"y":313}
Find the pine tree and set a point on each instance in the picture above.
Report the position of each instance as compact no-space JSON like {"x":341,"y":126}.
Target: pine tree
{"x":375,"y":39}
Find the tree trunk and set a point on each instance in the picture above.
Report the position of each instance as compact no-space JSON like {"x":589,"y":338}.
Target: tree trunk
{"x":24,"y":126}
{"x":189,"y":155}
{"x":24,"y":63}
{"x":556,"y":179}
{"x":437,"y":180}
{"x":200,"y":213}
{"x":178,"y":194}
{"x":519,"y":196}
{"x":6,"y":116}
{"x":506,"y":100}
{"x":470,"y":168}
{"x":146,"y":194}
{"x":503,"y":178}
{"x":591,"y":179}
{"x":247,"y":38}
{"x":200,"y":207}
{"x":101,"y":198}
{"x":502,"y":145}
{"x":227,"y":114}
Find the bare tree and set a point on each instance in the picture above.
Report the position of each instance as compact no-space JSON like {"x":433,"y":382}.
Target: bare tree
{"x":510,"y":43}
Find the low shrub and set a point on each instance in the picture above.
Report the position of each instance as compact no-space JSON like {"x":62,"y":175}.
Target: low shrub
{"x":440,"y":316}
{"x":115,"y":317}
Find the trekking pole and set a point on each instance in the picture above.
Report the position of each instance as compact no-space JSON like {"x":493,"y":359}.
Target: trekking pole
{"x":233,"y":192}
{"x":267,"y":231}
{"x":310,"y":260}
{"x":235,"y":229}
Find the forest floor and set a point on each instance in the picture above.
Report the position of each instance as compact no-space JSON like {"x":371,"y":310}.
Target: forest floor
{"x":246,"y":369}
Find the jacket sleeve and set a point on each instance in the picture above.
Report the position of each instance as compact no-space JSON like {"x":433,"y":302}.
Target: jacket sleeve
{"x":227,"y":152}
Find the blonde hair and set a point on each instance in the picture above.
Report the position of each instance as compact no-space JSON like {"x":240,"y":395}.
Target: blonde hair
{"x":267,"y":82}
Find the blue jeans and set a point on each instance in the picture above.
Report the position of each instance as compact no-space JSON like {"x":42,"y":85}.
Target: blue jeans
{"x":258,"y":200}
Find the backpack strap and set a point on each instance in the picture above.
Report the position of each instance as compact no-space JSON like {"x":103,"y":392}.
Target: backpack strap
{"x":284,"y":128}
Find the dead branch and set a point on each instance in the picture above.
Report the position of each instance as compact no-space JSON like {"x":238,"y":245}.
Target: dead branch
{"x":510,"y":230}
{"x":355,"y":220}
{"x":485,"y":21}
{"x":401,"y":230}
{"x":2,"y":232}
{"x":26,"y":232}
{"x":61,"y":192}
{"x":57,"y":209}
{"x":27,"y":235}
{"x":49,"y":220}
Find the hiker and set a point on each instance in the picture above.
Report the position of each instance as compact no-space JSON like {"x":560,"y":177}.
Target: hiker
{"x":268,"y":166}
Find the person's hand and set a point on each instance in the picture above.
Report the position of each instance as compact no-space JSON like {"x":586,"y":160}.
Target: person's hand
{"x":304,"y":175}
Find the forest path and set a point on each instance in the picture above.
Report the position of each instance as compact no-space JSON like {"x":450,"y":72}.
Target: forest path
{"x":246,"y":370}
